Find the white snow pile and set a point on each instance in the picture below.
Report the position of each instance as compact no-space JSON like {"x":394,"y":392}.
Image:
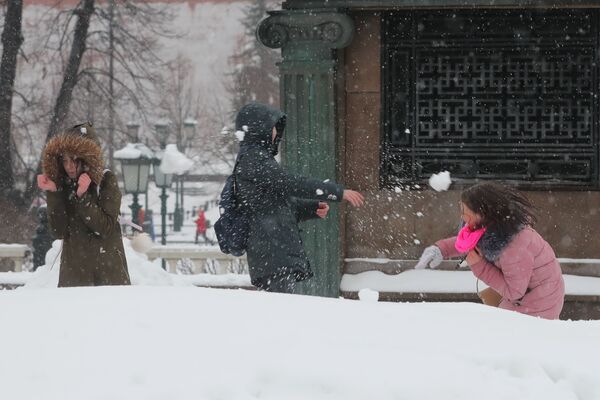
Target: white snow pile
{"x":140,"y":343}
{"x":142,"y":243}
{"x":175,"y":162}
{"x":131,"y":151}
{"x":440,"y":182}
{"x":141,"y":271}
{"x":367,"y":294}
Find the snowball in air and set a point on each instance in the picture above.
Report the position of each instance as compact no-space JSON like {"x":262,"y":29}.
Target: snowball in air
{"x":440,"y":182}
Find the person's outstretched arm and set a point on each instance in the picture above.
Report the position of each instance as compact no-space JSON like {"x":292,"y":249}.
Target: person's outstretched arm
{"x":304,"y":209}
{"x":261,"y":169}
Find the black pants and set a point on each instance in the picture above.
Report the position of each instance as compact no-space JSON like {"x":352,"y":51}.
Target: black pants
{"x":203,"y":237}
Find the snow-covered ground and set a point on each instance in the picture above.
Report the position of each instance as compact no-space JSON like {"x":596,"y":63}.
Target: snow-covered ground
{"x":191,"y":343}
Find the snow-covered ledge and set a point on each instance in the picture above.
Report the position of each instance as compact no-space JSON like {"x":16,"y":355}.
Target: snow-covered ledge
{"x":570,"y":266}
{"x":16,"y":252}
{"x":424,"y":282}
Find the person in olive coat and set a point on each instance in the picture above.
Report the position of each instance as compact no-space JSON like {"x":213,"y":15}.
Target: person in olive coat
{"x":83,"y":210}
{"x":275,"y":201}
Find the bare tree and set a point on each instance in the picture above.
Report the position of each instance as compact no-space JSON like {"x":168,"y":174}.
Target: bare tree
{"x":12,"y":38}
{"x":122,"y":65}
{"x":83,"y":13}
{"x":212,"y":151}
{"x":178,"y":101}
{"x":71,"y":73}
{"x":255,"y":76}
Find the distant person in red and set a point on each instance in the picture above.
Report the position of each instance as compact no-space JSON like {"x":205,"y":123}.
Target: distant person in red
{"x":201,"y":226}
{"x":141,"y":216}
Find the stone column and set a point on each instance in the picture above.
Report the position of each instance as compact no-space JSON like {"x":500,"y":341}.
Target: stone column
{"x":308,"y":40}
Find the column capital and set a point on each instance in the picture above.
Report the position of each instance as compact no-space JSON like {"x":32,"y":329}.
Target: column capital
{"x":316,"y":29}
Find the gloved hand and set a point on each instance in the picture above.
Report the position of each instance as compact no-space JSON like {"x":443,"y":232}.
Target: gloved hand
{"x":432,"y":255}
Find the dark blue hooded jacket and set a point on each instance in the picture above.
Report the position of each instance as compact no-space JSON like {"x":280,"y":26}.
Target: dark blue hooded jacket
{"x":274,"y":199}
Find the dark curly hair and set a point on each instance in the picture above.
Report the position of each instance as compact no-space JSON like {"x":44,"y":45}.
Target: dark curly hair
{"x":502,"y":208}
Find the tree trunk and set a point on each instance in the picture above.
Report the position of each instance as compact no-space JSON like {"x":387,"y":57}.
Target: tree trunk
{"x":12,"y":38}
{"x":63,"y":101}
{"x":111,"y":88}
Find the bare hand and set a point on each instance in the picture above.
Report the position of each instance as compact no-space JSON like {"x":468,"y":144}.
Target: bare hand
{"x":473,"y":257}
{"x":354,"y":198}
{"x":46,"y":183}
{"x":323,"y":209}
{"x":83,"y":183}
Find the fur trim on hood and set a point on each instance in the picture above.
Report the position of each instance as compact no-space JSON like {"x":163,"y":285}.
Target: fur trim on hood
{"x":493,"y":242}
{"x":83,"y":147}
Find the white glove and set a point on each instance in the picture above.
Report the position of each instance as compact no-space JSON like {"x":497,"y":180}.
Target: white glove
{"x":432,"y":255}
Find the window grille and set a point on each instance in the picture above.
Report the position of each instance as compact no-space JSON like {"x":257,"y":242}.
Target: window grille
{"x":491,"y":94}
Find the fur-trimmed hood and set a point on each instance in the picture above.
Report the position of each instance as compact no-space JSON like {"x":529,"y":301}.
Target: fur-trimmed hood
{"x":79,"y":141}
{"x":494,"y":241}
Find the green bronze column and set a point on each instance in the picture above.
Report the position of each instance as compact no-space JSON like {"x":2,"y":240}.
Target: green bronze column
{"x":308,"y":40}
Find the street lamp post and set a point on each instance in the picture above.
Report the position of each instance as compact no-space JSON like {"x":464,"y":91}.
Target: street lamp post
{"x":162,"y":131}
{"x":175,"y":162}
{"x":163,"y":182}
{"x":189,"y":126}
{"x":133,"y":129}
{"x":177,"y":213}
{"x":133,"y":135}
{"x":135,"y":161}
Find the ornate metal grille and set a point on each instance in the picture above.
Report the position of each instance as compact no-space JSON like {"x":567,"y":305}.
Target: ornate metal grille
{"x":491,"y":94}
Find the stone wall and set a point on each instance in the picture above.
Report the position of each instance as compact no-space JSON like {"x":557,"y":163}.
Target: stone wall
{"x":400,"y":223}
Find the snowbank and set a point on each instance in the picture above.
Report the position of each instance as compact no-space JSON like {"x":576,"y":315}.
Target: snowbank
{"x":174,"y":162}
{"x":191,"y":343}
{"x":141,"y":271}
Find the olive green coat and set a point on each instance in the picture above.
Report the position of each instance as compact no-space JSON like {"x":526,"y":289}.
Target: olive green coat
{"x":92,"y":250}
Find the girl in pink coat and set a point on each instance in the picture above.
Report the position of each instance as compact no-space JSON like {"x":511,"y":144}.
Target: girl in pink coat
{"x":504,"y":251}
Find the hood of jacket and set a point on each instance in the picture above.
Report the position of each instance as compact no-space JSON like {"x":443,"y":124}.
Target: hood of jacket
{"x":79,"y":141}
{"x":256,"y":121}
{"x":495,"y":240}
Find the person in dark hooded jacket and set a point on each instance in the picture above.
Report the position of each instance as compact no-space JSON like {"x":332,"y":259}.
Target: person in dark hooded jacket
{"x":275,"y":201}
{"x":83,"y":210}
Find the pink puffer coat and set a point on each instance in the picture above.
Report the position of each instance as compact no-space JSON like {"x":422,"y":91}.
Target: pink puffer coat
{"x":526,"y":274}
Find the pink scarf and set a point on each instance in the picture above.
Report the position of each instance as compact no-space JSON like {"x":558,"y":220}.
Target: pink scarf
{"x":467,"y":239}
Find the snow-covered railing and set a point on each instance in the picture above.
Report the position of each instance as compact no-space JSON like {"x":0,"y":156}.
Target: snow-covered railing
{"x":570,"y":266}
{"x":14,"y":252}
{"x":210,"y":260}
{"x":397,"y":280}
